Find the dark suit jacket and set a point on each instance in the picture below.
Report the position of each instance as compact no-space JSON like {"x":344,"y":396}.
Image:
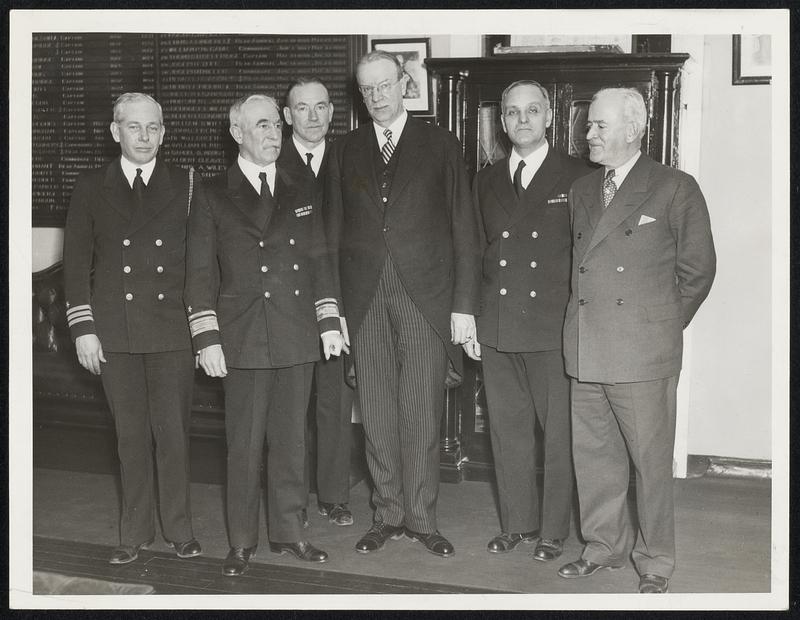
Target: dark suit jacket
{"x":429,"y":225}
{"x":527,"y":249}
{"x":141,"y":257}
{"x":254,"y":279}
{"x":291,"y":160}
{"x":640,"y":270}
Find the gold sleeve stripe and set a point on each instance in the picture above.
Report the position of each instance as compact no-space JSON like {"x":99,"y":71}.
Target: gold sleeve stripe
{"x":79,"y":314}
{"x":201,"y":322}
{"x":327,"y":308}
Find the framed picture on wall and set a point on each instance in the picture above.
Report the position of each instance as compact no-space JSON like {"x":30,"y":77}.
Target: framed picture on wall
{"x":412,"y":54}
{"x":752,"y":59}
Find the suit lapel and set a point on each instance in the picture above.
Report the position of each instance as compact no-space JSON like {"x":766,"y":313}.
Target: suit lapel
{"x":410,"y":156}
{"x":364,"y":148}
{"x":159,"y":194}
{"x":116,"y":190}
{"x":242,"y":194}
{"x":626,"y":201}
{"x":500,"y":182}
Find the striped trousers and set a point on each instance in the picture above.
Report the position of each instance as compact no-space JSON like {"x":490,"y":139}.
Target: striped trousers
{"x":401,"y":363}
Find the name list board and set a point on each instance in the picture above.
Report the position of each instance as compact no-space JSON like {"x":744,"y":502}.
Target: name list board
{"x":195,"y":78}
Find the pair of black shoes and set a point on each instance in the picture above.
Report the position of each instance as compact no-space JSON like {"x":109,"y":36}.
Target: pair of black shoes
{"x":238,"y":560}
{"x":125,"y":554}
{"x":380,"y":532}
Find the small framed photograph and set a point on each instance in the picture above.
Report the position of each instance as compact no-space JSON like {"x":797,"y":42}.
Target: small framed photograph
{"x":412,"y":54}
{"x":752,"y":59}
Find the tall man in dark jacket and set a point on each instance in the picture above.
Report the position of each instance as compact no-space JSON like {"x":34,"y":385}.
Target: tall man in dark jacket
{"x":526,"y":268}
{"x":259,"y":294}
{"x":402,"y":226}
{"x":643,"y":262}
{"x":308,"y":109}
{"x":127,"y":221}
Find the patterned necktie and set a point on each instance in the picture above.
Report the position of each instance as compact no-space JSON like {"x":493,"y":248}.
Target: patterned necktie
{"x":388,"y":147}
{"x":518,"y":179}
{"x":265,"y":193}
{"x":309,"y":157}
{"x":609,"y":188}
{"x":138,"y":188}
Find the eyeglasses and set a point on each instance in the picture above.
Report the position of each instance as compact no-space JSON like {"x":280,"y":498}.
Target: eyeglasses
{"x":382,"y":89}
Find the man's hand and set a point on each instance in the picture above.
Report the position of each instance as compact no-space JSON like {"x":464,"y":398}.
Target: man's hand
{"x":462,"y":327}
{"x":332,"y":344}
{"x":473,"y":349}
{"x":345,"y":335}
{"x":90,"y":352}
{"x":212,"y":359}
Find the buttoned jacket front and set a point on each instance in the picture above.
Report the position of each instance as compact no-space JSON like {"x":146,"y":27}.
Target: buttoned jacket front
{"x":124,"y":266}
{"x":261,"y":272}
{"x":527,"y":252}
{"x":640,"y":270}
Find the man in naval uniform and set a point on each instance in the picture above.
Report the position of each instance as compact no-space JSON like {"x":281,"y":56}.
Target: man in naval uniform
{"x":259,"y":295}
{"x":526,"y":258}
{"x":124,"y":248}
{"x":308,"y":109}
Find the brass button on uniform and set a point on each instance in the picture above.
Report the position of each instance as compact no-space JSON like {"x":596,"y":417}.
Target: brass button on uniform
{"x":503,"y":291}
{"x":296,"y":292}
{"x":126,"y":269}
{"x":267,"y":294}
{"x":161,"y":297}
{"x":291,"y":241}
{"x":126,"y":242}
{"x":261,"y":244}
{"x":264,"y":269}
{"x":503,"y":262}
{"x":159,"y":243}
{"x":129,"y":296}
{"x":535,"y":234}
{"x":505,"y":234}
{"x":534,"y":264}
{"x":296,"y":267}
{"x":385,"y":199}
{"x":160,"y":269}
{"x":620,"y":268}
{"x":533,"y":293}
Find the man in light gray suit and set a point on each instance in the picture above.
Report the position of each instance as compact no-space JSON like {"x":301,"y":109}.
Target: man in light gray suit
{"x":643,"y":261}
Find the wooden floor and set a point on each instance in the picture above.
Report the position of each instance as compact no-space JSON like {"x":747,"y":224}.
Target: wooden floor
{"x":723,"y":542}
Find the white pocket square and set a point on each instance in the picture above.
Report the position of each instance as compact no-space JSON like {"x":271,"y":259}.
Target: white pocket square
{"x":646,"y":219}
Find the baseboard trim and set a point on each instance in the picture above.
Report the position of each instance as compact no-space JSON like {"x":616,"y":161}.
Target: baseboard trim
{"x":699,"y":465}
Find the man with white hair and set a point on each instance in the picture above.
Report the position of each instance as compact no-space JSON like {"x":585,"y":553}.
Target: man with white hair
{"x":124,"y":247}
{"x":643,"y":261}
{"x":259,"y":295}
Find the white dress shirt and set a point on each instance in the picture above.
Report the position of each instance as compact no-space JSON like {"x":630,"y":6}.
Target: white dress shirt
{"x":396,"y":127}
{"x":621,"y":172}
{"x":129,"y":170}
{"x":533,"y":162}
{"x":318,"y":153}
{"x":251,"y":172}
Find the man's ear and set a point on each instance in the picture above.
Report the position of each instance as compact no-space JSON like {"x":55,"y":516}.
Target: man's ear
{"x":115,"y":131}
{"x":236,"y":133}
{"x":287,"y":115}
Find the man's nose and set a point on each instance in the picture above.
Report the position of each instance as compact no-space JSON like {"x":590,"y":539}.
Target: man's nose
{"x":376,"y":94}
{"x":591,"y":132}
{"x":312,"y":114}
{"x":143,"y":135}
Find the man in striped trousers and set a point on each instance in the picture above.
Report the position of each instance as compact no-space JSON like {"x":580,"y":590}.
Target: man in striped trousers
{"x":403,"y":231}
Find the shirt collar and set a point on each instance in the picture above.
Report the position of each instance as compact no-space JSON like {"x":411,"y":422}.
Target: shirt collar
{"x":129,"y":169}
{"x":397,"y":129}
{"x":622,"y":171}
{"x":252,"y":170}
{"x":533,"y":161}
{"x":318,"y":152}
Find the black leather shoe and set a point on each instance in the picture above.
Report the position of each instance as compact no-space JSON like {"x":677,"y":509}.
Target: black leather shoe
{"x":338,"y":514}
{"x":435,"y":543}
{"x":189,"y":549}
{"x":653,"y":584}
{"x":238,"y":561}
{"x":548,"y":549}
{"x":125,"y":554}
{"x":582,"y":568}
{"x":377,"y":535}
{"x":503,"y":543}
{"x":302,"y":550}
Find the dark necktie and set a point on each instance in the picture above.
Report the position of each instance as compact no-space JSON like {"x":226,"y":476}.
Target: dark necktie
{"x":518,"y":179}
{"x":138,"y":189}
{"x":265,"y":192}
{"x":309,"y":157}
{"x":388,"y":147}
{"x":609,"y":188}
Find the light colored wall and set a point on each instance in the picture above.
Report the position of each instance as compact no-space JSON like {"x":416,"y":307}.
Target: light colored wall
{"x":730,"y":392}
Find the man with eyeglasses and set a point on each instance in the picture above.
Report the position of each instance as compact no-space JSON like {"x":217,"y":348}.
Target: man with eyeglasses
{"x":124,"y":248}
{"x":259,"y":294}
{"x":403,"y":230}
{"x":308,"y":109}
